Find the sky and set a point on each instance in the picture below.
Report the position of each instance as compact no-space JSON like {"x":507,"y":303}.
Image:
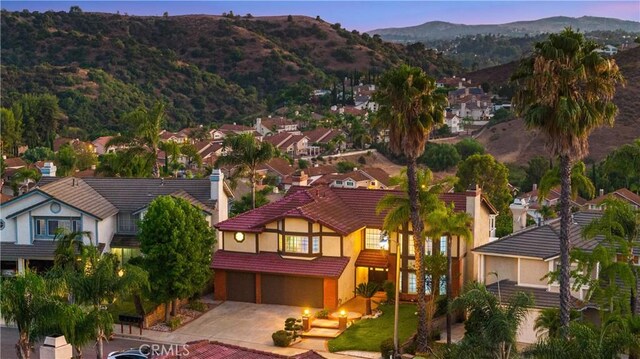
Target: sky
{"x":360,"y":15}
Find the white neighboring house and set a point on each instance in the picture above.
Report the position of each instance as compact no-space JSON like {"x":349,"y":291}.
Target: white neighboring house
{"x":454,"y":122}
{"x":274,"y":125}
{"x":107,"y":208}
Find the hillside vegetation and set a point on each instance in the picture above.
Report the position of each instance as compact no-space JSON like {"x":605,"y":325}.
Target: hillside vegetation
{"x":511,"y":142}
{"x":206,"y":68}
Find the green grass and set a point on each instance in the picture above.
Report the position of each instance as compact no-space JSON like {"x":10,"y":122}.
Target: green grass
{"x":369,"y":333}
{"x":126,"y":306}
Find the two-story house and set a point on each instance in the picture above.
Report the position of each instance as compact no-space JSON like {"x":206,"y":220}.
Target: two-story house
{"x":107,"y":208}
{"x":273,"y":125}
{"x":521,"y":261}
{"x":621,"y":194}
{"x":315,"y":245}
{"x":289,"y":143}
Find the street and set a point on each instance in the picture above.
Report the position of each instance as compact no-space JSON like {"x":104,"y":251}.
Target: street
{"x":9,"y":337}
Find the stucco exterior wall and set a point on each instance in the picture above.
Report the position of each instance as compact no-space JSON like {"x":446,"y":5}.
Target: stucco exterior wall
{"x":106,"y":228}
{"x":532,"y":271}
{"x":296,"y":225}
{"x":331,"y":246}
{"x":268,"y":242}
{"x":506,"y":268}
{"x":346,"y":283}
{"x":247,"y":246}
{"x":526,"y":333}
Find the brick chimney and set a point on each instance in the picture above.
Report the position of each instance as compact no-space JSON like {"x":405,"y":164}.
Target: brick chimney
{"x":300,"y":179}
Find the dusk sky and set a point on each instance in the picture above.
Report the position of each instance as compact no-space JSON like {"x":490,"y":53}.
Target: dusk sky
{"x":360,"y":15}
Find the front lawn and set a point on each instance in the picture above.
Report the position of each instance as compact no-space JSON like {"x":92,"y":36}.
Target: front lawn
{"x":126,"y":306}
{"x":367,"y":334}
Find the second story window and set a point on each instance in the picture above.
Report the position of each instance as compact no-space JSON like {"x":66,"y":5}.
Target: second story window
{"x":372,"y":238}
{"x":296,"y":244}
{"x":127,"y":223}
{"x":48,"y":227}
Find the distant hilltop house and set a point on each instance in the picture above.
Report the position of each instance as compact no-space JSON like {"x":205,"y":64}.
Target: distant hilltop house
{"x":456,"y":82}
{"x":107,"y":208}
{"x":607,"y":50}
{"x":453,"y":121}
{"x":274,"y":125}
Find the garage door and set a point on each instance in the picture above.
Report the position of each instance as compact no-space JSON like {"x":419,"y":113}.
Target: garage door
{"x":288,"y":290}
{"x":241,"y":287}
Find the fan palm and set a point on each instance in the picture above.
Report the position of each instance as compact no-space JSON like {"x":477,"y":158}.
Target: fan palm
{"x":397,"y":209}
{"x":367,"y":291}
{"x":409,"y":108}
{"x":565,"y":90}
{"x":580,"y":182}
{"x":23,"y":176}
{"x":549,"y":321}
{"x":244,"y":156}
{"x":171,"y":155}
{"x":450,"y":223}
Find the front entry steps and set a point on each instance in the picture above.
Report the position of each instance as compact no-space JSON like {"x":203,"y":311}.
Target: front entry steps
{"x":323,"y":328}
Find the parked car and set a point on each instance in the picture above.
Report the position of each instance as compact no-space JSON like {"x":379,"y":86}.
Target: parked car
{"x":134,"y":353}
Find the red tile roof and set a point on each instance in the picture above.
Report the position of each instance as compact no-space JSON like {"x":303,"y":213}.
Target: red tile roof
{"x":321,"y":170}
{"x":372,"y":258}
{"x":273,"y":263}
{"x":622,"y":193}
{"x":278,"y":139}
{"x":215,"y":350}
{"x":15,"y":162}
{"x":234,"y":128}
{"x":278,"y":165}
{"x":5,"y":197}
{"x":343,"y":210}
{"x":103,"y":140}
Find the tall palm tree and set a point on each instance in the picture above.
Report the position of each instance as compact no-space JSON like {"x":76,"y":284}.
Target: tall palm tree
{"x":367,"y":291}
{"x":451,"y":223}
{"x":245,"y":155}
{"x":580,"y":181}
{"x":565,"y":90}
{"x":409,"y":108}
{"x":171,"y":155}
{"x":397,"y":209}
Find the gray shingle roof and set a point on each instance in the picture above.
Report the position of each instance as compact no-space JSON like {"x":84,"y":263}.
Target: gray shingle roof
{"x":79,"y":194}
{"x":542,"y":298}
{"x":542,"y":242}
{"x":131,"y":194}
{"x":38,"y":250}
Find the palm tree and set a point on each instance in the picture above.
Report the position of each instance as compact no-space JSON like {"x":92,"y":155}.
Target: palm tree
{"x":409,"y":108}
{"x":245,"y":155}
{"x":397,"y":209}
{"x":171,"y":150}
{"x":367,"y":291}
{"x":549,"y":321}
{"x":579,"y":182}
{"x":26,"y":302}
{"x":451,"y":223}
{"x":583,"y":340}
{"x":492,"y":326}
{"x":24,"y":176}
{"x":565,"y":90}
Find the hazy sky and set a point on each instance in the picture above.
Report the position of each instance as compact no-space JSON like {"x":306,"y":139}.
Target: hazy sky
{"x":361,"y":15}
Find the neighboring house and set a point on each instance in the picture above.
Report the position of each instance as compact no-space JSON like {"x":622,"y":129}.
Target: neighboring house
{"x":520,"y":262}
{"x":527,"y":205}
{"x":454,"y":122}
{"x":314,"y":246}
{"x":212,"y":153}
{"x":205,"y":349}
{"x":101,"y":147}
{"x":621,"y":194}
{"x":107,"y":208}
{"x":228,"y":129}
{"x":278,"y":166}
{"x":275,"y":125}
{"x":12,"y":165}
{"x":291,"y":144}
{"x":371,"y":178}
{"x":166,"y":136}
{"x":322,"y":137}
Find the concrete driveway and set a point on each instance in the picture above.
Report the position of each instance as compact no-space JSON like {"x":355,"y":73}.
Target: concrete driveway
{"x":245,"y":324}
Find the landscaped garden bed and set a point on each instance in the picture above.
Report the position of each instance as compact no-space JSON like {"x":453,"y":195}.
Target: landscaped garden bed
{"x":367,"y":334}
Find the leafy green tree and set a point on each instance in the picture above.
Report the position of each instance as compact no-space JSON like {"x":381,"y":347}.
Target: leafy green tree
{"x":171,"y":156}
{"x":345,"y":166}
{"x":490,"y":175}
{"x":36,"y":154}
{"x":367,"y":291}
{"x":10,"y":131}
{"x":565,"y":90}
{"x":177,"y":242}
{"x":440,"y":157}
{"x":409,"y":108}
{"x":491,"y":328}
{"x":132,"y":162}
{"x":41,"y":116}
{"x":469,"y":147}
{"x":26,"y":302}
{"x":85,"y":157}
{"x":244,"y":204}
{"x":622,"y":167}
{"x":536,"y":168}
{"x":303,"y":164}
{"x":245,"y":155}
{"x":192,"y":155}
{"x":66,"y":160}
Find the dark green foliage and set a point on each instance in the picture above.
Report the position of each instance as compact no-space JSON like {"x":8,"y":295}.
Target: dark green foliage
{"x":490,"y":175}
{"x":66,"y":160}
{"x":469,"y":147}
{"x":323,"y":314}
{"x":177,"y":242}
{"x":389,"y":288}
{"x":440,"y":157}
{"x":387,"y":348}
{"x":281,"y":338}
{"x":501,"y":115}
{"x":244,"y":204}
{"x":303,"y":164}
{"x":38,"y":154}
{"x":504,"y":224}
{"x":345,"y":166}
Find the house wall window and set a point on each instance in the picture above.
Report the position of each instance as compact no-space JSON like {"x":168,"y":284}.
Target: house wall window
{"x":46,"y":227}
{"x":413,"y":289}
{"x":125,"y":254}
{"x":372,"y":238}
{"x":296,"y":244}
{"x":351,"y":184}
{"x":427,"y":246}
{"x":127,"y":223}
{"x":315,"y":245}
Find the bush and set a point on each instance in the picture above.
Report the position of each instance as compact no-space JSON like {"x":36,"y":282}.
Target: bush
{"x":441,"y":306}
{"x":362,"y":160}
{"x":440,"y":157}
{"x":390,"y":290}
{"x":386,"y":348}
{"x":174,"y":323}
{"x":469,"y":147}
{"x":323,"y":314}
{"x":197,"y":306}
{"x":281,"y":338}
{"x":345,"y":166}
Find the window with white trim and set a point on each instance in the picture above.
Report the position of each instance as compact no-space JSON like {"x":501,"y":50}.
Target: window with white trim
{"x":47,"y":227}
{"x":372,"y":238}
{"x":127,"y":223}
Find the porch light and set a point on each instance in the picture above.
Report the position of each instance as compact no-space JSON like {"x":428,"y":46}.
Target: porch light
{"x":239,"y":236}
{"x":306,"y":312}
{"x":343,"y":313}
{"x":120,"y":272}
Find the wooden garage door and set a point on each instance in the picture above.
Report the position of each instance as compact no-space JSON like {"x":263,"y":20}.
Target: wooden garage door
{"x":241,"y":287}
{"x":288,"y":290}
